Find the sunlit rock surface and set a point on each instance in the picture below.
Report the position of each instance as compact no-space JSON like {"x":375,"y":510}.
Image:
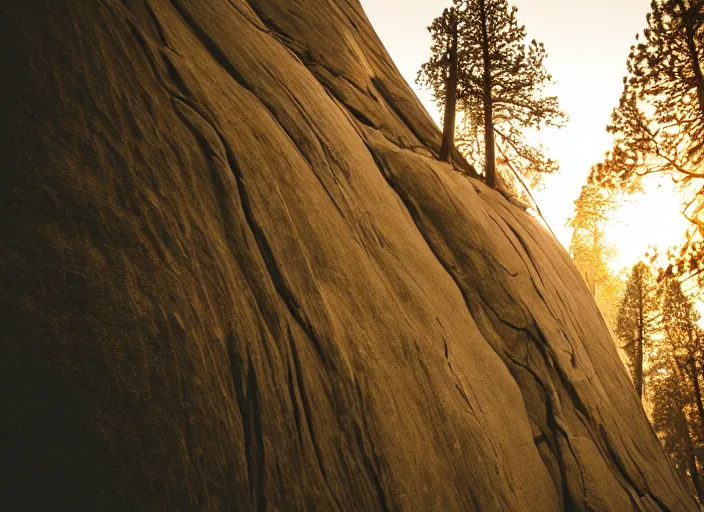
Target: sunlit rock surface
{"x":235,"y":278}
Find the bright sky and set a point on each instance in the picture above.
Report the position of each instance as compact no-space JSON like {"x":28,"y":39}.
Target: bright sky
{"x":588,"y":43}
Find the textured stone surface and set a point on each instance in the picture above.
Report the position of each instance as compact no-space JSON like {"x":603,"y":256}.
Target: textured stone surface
{"x":234,"y":277}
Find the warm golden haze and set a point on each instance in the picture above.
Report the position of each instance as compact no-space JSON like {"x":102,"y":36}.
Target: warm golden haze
{"x":587,"y":44}
{"x":234,"y":276}
{"x":658,"y":126}
{"x":484,"y":67}
{"x":635,"y":230}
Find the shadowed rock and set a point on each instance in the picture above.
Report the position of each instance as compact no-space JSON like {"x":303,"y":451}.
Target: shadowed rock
{"x":234,"y":277}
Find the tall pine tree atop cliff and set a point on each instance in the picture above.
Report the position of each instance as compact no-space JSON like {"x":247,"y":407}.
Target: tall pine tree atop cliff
{"x":637,"y":319}
{"x":441,"y":72}
{"x":659,"y":123}
{"x":500,"y":86}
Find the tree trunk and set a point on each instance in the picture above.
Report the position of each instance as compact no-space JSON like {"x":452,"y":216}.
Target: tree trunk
{"x":694,"y":377}
{"x":448,"y":132}
{"x":692,"y":466}
{"x":639,"y":365}
{"x":686,"y":436}
{"x":691,"y":457}
{"x":697,"y":392}
{"x":490,"y":149}
{"x":639,"y":343}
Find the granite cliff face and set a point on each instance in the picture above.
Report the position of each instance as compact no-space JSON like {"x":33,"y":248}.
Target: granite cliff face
{"x":234,"y":277}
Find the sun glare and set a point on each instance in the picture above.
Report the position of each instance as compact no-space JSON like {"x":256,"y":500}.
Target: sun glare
{"x":588,"y":81}
{"x":649,"y":219}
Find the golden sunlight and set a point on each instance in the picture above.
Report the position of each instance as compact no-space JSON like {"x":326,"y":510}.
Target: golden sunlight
{"x":588,"y":75}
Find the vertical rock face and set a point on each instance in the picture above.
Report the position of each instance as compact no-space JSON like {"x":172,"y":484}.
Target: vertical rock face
{"x":234,"y":277}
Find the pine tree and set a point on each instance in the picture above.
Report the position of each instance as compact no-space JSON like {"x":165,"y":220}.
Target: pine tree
{"x":674,"y":383}
{"x":592,"y":253}
{"x":680,"y":326}
{"x":636,"y":320}
{"x":670,"y":398}
{"x":441,"y":73}
{"x":500,"y":84}
{"x":659,"y":123}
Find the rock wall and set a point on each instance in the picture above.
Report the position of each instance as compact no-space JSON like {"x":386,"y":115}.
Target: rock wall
{"x":234,"y":277}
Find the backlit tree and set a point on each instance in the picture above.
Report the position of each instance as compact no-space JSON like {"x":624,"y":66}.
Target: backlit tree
{"x":659,"y":123}
{"x":500,"y":87}
{"x":674,"y":383}
{"x":592,"y":253}
{"x":636,"y":320}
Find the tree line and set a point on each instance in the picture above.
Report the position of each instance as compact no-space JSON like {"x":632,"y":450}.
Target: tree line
{"x":658,"y":128}
{"x":652,"y":317}
{"x":658,"y":328}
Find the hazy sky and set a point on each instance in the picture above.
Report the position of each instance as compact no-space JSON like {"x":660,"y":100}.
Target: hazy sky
{"x":588,"y":43}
